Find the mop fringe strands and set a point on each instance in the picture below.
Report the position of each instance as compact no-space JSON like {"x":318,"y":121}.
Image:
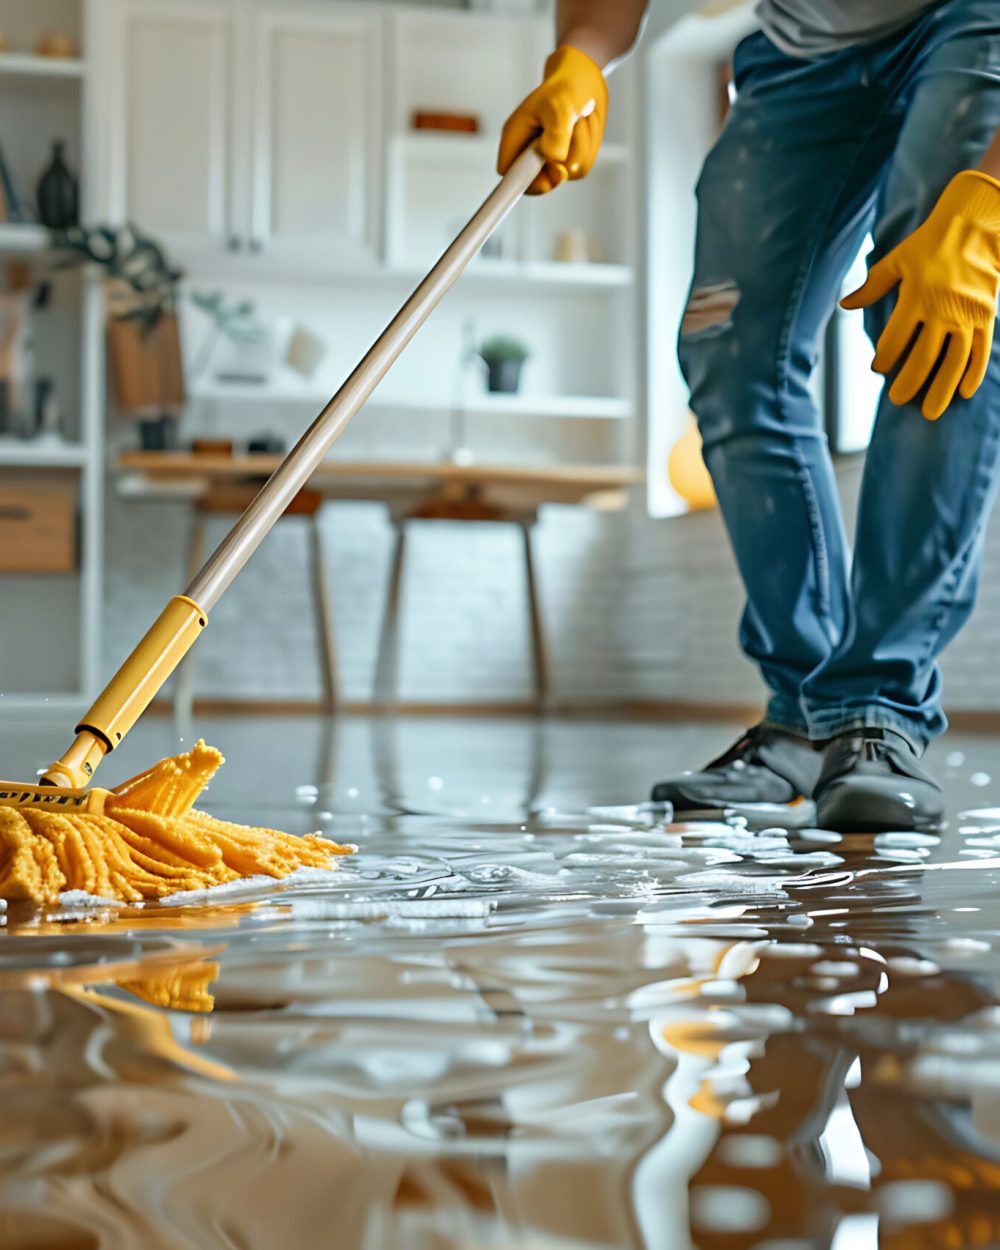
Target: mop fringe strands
{"x":140,"y":841}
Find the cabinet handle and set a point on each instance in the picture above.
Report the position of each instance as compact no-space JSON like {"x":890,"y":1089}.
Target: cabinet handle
{"x":235,"y":243}
{"x":256,"y":246}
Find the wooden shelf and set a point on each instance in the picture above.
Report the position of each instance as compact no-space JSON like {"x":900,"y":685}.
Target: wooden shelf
{"x":28,"y":65}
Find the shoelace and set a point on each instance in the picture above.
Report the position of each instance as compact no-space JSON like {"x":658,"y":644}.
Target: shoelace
{"x":735,"y":757}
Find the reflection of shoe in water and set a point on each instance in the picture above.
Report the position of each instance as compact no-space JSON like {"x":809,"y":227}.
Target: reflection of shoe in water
{"x":871,"y":783}
{"x":766,"y":770}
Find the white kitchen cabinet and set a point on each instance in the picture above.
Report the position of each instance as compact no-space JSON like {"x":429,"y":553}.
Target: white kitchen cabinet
{"x":316,"y":136}
{"x":175,"y":135}
{"x":248,"y":128}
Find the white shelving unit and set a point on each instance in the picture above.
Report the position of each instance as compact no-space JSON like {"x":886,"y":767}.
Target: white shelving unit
{"x":483,"y":64}
{"x":44,"y":98}
{"x":238,"y":218}
{"x":192,"y":118}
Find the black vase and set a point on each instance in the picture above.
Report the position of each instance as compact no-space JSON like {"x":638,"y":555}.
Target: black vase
{"x":58,"y":193}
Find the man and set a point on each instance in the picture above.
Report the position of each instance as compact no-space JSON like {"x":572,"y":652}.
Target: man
{"x":850,"y":116}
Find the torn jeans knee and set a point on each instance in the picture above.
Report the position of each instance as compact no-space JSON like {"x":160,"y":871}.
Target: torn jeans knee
{"x":710,"y":309}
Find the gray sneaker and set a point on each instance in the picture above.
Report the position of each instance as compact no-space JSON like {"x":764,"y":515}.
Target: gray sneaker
{"x":768,"y":772}
{"x":871,"y":783}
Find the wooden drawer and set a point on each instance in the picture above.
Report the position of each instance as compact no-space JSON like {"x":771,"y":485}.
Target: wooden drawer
{"x":37,"y":522}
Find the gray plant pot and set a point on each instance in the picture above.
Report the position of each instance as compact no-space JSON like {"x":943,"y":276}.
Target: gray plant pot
{"x":504,"y":376}
{"x":158,"y":433}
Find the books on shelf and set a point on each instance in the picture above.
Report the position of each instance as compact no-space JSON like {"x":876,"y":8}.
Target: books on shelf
{"x":14,"y":205}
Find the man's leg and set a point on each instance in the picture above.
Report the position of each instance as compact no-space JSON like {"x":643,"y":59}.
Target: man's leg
{"x":927,"y":486}
{"x":785,"y":199}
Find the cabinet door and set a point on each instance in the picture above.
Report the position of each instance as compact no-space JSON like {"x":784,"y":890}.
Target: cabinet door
{"x":172,"y":155}
{"x":316,"y":135}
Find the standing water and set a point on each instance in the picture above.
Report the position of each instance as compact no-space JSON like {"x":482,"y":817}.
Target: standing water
{"x":516,"y":1022}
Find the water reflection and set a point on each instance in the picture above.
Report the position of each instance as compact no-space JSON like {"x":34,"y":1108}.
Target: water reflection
{"x":572,"y":1031}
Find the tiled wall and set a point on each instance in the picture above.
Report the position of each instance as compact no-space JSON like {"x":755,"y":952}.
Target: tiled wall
{"x":464,"y":615}
{"x":684,"y":600}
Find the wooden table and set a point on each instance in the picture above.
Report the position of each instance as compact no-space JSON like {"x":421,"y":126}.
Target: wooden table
{"x":411,"y":490}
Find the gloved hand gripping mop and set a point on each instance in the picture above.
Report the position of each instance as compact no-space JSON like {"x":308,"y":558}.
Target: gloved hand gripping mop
{"x":144,"y":840}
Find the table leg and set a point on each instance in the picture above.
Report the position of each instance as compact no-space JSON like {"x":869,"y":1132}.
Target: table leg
{"x":539,"y":645}
{"x":324,"y":613}
{"x":183,"y":700}
{"x":387,"y":665}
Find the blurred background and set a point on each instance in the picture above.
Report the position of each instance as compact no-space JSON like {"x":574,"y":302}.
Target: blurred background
{"x":207,"y":213}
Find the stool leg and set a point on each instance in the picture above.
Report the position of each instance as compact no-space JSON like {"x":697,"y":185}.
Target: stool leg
{"x":184,"y":678}
{"x":324,"y":613}
{"x":539,"y":646}
{"x":387,"y":665}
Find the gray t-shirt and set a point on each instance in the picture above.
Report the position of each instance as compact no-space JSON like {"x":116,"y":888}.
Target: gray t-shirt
{"x":810,"y":28}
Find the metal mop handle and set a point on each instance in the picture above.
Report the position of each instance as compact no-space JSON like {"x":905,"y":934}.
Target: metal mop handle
{"x":137,"y":682}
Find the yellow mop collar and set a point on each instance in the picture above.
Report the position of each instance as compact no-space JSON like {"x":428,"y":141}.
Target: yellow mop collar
{"x":142,"y":840}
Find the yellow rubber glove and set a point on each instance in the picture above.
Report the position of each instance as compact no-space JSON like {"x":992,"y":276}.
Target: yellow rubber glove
{"x":566,"y":113}
{"x":948,"y":272}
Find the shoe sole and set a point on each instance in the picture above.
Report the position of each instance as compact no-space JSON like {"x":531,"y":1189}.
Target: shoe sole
{"x":842,"y":811}
{"x":798,"y":815}
{"x":857,"y":828}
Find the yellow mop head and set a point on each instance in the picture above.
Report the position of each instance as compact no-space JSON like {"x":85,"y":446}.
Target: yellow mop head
{"x":142,"y":840}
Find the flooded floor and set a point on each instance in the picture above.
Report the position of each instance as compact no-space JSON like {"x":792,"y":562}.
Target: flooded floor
{"x":528,"y":1014}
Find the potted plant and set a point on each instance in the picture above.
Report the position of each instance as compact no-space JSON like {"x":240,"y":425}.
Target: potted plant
{"x":143,"y":339}
{"x":504,"y":359}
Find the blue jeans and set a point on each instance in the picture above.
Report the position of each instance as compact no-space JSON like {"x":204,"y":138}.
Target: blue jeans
{"x":813,"y":155}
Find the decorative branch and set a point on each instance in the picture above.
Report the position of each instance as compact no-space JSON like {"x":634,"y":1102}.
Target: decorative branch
{"x":127,"y":256}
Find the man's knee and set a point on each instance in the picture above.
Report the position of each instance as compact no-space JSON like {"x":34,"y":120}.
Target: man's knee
{"x":708,"y":340}
{"x":709,"y":310}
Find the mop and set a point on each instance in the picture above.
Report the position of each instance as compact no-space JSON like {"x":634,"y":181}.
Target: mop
{"x":145,"y":839}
